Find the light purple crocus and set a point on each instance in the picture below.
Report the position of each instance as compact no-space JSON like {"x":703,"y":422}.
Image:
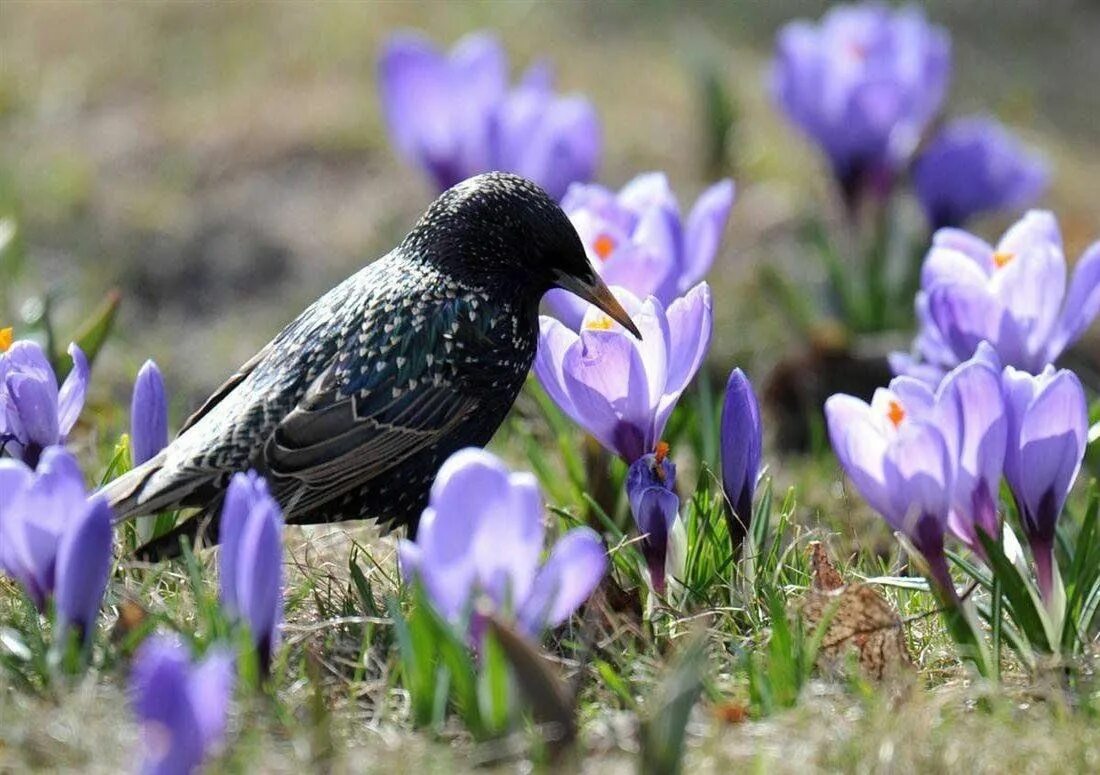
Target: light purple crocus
{"x":638,"y":240}
{"x":972,"y":166}
{"x":251,"y":562}
{"x":651,"y":490}
{"x":741,"y":447}
{"x":479,"y":543}
{"x":618,"y":388}
{"x":54,"y":540}
{"x":182,"y":707}
{"x":454,"y":115}
{"x":1013,"y":296}
{"x":148,"y":414}
{"x":863,"y":83}
{"x":927,"y":462}
{"x":34,"y":412}
{"x":1047,"y":435}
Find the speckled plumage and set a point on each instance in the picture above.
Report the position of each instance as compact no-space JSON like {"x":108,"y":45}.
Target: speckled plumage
{"x":351,"y":409}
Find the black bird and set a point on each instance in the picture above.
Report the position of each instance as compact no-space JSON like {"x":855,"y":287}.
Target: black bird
{"x":352,"y":408}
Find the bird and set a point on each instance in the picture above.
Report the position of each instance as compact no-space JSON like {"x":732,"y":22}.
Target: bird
{"x":351,"y":409}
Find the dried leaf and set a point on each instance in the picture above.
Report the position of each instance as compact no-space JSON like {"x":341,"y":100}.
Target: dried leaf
{"x":858,"y":618}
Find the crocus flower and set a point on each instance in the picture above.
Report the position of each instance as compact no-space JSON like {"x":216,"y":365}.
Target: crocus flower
{"x":34,"y":413}
{"x":927,"y":461}
{"x":973,"y":166}
{"x":741,"y":446}
{"x":1047,"y":430}
{"x":863,"y":83}
{"x":251,"y":562}
{"x":453,"y":115}
{"x":182,"y":707}
{"x":620,"y":389}
{"x":638,"y":240}
{"x":480,"y":539}
{"x":148,"y":414}
{"x":1013,"y":296}
{"x":651,"y":490}
{"x":54,"y":540}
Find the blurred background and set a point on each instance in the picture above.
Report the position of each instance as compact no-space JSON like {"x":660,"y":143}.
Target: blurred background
{"x":222,"y":165}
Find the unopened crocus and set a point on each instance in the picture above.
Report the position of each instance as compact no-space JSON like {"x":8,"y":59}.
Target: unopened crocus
{"x":1047,"y":435}
{"x":741,"y":447}
{"x":1013,"y":296}
{"x":34,"y":412}
{"x":479,"y":544}
{"x":148,"y":414}
{"x":54,"y":540}
{"x":454,"y":115}
{"x":973,"y":166}
{"x":651,"y":490}
{"x":182,"y":707}
{"x":863,"y":83}
{"x":618,"y":388}
{"x":638,"y":240}
{"x":927,"y":461}
{"x":251,"y":561}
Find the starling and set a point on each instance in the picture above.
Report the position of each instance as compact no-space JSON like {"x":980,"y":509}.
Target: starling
{"x":352,"y":408}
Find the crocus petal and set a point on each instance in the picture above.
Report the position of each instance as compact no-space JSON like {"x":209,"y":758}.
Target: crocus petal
{"x":859,"y":446}
{"x":704,"y":230}
{"x":209,"y":689}
{"x":967,"y":315}
{"x":572,"y":572}
{"x":1082,"y":303}
{"x":70,"y":399}
{"x":918,"y":477}
{"x":83,"y":563}
{"x":259,"y":575}
{"x":35,"y":404}
{"x":160,"y":685}
{"x":148,"y":414}
{"x":243,"y":493}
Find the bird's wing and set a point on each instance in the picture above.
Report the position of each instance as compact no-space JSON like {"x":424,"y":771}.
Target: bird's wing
{"x":378,"y":404}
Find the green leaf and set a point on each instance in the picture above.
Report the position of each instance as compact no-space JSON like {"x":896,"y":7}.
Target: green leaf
{"x":93,"y":333}
{"x":664,"y":729}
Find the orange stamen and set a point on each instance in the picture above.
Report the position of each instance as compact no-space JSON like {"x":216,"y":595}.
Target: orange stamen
{"x":599,"y":323}
{"x":604,"y":246}
{"x":896,"y":413}
{"x":5,"y":339}
{"x":661,"y":452}
{"x":1002,"y":259}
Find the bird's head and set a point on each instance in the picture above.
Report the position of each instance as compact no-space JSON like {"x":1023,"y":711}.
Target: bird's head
{"x":504,"y":231}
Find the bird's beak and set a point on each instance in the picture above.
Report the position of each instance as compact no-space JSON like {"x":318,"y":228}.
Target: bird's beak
{"x":596,"y":292}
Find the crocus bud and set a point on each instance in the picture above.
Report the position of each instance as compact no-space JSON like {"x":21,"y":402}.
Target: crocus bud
{"x":83,"y":565}
{"x":1047,"y":430}
{"x":148,"y":414}
{"x":741,"y":450}
{"x":251,"y":562}
{"x":651,"y":490}
{"x":182,"y":707}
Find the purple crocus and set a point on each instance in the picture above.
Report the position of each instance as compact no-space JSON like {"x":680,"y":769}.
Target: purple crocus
{"x":34,"y":412}
{"x":927,"y":461}
{"x":148,"y":414}
{"x":864,"y":83}
{"x":479,"y":543}
{"x":1047,"y":430}
{"x":618,"y":388}
{"x":741,"y":446}
{"x":251,"y":562}
{"x":1013,"y":296}
{"x":54,"y":540}
{"x":972,"y":166}
{"x":638,"y":240}
{"x":453,"y":115}
{"x":182,"y":707}
{"x":651,"y":490}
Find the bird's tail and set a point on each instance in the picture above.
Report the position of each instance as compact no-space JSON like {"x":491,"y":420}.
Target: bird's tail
{"x":130,"y":496}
